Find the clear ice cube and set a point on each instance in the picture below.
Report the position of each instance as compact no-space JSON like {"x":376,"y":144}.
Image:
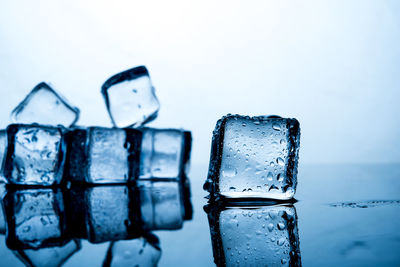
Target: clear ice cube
{"x":108,"y":213}
{"x":45,"y":106}
{"x":161,"y":204}
{"x":254,"y":157}
{"x":254,"y":235}
{"x":142,"y":251}
{"x":49,"y":257}
{"x":130,"y":98}
{"x":165,"y":153}
{"x":35,"y":218}
{"x":35,"y":155}
{"x":3,"y":151}
{"x":103,"y":155}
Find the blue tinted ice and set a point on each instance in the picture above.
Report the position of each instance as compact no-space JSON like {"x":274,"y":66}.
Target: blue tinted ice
{"x":35,"y":155}
{"x":49,"y":257}
{"x":35,"y":218}
{"x":255,"y":236}
{"x":161,"y":204}
{"x":108,"y":213}
{"x":130,"y":98}
{"x":136,"y":252}
{"x":103,"y":155}
{"x":45,"y":106}
{"x":254,"y":157}
{"x":165,"y":153}
{"x":3,"y":150}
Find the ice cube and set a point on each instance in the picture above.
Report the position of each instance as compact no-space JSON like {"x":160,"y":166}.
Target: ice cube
{"x":165,"y":153}
{"x":49,"y":257}
{"x":130,"y":97}
{"x":254,"y":235}
{"x":161,"y":204}
{"x":254,"y":157}
{"x":109,"y":214}
{"x":35,"y":218}
{"x":142,"y":251}
{"x":35,"y":155}
{"x":3,"y":151}
{"x":103,"y":155}
{"x":45,"y":106}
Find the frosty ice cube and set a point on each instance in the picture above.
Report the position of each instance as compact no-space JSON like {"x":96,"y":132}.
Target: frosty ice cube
{"x":142,"y":251}
{"x":165,"y":153}
{"x":130,"y":97}
{"x":254,"y":157}
{"x":109,"y":214}
{"x":35,"y":218}
{"x":48,"y":257}
{"x":161,"y":205}
{"x":103,"y":155}
{"x":254,"y":235}
{"x":35,"y":155}
{"x":45,"y":106}
{"x":3,"y":150}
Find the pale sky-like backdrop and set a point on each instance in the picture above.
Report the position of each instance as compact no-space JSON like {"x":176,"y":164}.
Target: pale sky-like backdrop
{"x":333,"y":65}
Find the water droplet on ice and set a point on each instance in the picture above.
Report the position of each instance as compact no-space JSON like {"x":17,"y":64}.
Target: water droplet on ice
{"x":276,"y":127}
{"x":281,"y":226}
{"x":280,"y":161}
{"x":270,"y":227}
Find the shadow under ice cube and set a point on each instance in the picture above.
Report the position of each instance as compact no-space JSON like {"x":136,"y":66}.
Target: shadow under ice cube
{"x":254,"y":235}
{"x":103,"y":155}
{"x":45,"y":106}
{"x":35,"y":218}
{"x":130,"y":97}
{"x":165,"y":153}
{"x":35,"y":155}
{"x":254,"y":157}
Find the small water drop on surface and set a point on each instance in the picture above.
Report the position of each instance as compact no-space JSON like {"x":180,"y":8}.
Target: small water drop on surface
{"x":270,"y":227}
{"x":281,"y":241}
{"x":244,"y":124}
{"x":280,"y":161}
{"x":281,"y":226}
{"x":283,"y":261}
{"x":276,"y":127}
{"x":270,"y":176}
{"x":272,"y":164}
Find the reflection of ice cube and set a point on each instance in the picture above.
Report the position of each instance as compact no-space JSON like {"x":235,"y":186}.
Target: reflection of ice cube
{"x":35,"y":155}
{"x":3,"y":150}
{"x":255,"y":236}
{"x":49,"y":257}
{"x":109,"y":216}
{"x":142,"y":251}
{"x":103,"y":155}
{"x":35,"y":218}
{"x":165,"y":153}
{"x":254,"y":157}
{"x":130,"y":97}
{"x":45,"y":106}
{"x":161,"y":204}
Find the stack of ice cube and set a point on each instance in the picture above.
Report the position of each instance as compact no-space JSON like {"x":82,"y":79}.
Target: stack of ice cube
{"x":33,"y":151}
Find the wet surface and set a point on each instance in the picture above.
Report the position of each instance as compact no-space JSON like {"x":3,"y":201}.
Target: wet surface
{"x":347,"y":215}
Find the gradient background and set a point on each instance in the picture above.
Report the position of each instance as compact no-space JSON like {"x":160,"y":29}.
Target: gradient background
{"x":334,"y":65}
